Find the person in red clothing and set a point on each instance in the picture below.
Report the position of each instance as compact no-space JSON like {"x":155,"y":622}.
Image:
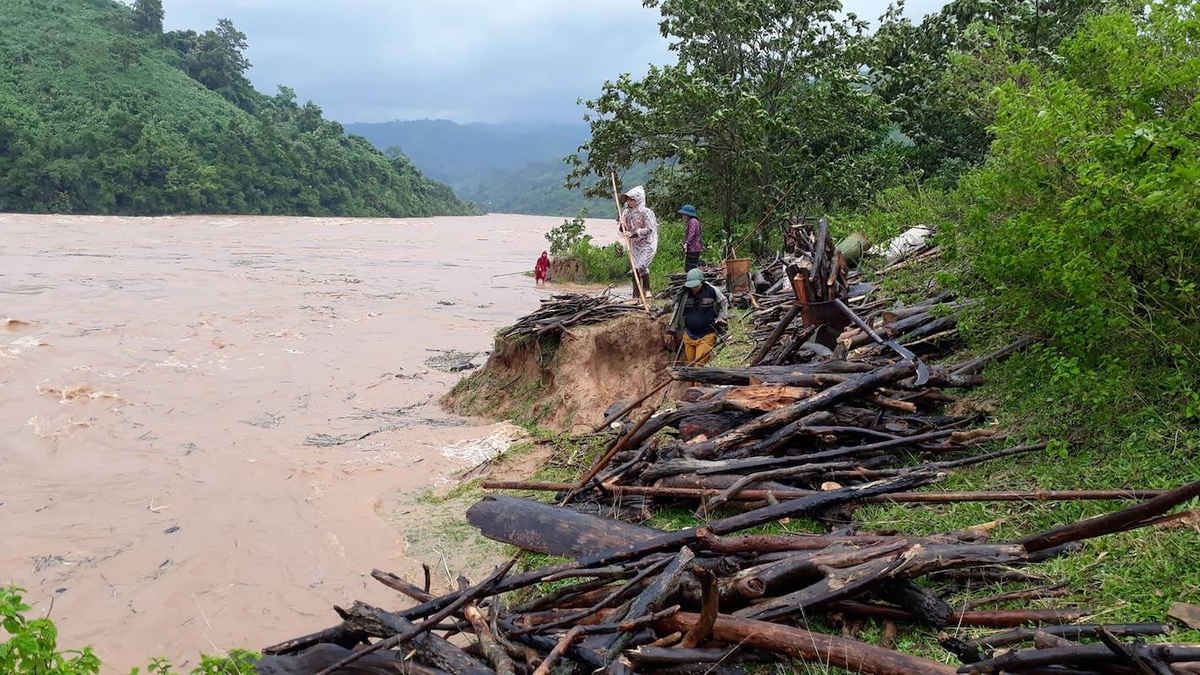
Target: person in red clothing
{"x":541,"y":271}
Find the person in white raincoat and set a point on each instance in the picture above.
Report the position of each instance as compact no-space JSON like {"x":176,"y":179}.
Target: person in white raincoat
{"x":643,"y":234}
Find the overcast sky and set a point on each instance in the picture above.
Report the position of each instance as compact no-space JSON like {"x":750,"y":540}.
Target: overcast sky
{"x":464,"y":60}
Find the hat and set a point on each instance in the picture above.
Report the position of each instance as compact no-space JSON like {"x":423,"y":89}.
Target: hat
{"x":689,"y":210}
{"x":694,"y":278}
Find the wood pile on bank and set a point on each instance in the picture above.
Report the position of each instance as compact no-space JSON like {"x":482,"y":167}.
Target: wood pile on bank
{"x":560,"y":312}
{"x":817,"y":426}
{"x":704,"y":599}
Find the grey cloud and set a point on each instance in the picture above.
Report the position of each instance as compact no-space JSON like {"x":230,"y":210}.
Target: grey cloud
{"x":466,"y":60}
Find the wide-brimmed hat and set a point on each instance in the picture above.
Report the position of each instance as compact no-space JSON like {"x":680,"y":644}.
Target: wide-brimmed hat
{"x":694,"y":278}
{"x":689,"y":210}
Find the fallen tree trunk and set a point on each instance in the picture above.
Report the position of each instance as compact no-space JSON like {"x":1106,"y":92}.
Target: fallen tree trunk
{"x":542,"y":528}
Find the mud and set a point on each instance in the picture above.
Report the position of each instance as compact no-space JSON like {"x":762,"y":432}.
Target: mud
{"x":567,"y":382}
{"x":213,"y":426}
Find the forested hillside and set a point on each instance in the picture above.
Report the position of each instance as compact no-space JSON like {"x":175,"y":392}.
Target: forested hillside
{"x":504,"y":168}
{"x":101,"y":112}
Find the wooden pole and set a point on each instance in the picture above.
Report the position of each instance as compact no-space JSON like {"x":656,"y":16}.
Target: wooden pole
{"x":637,"y":278}
{"x":897,"y":497}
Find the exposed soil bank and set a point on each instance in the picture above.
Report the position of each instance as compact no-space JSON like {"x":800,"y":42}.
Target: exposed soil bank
{"x":207,"y":420}
{"x":566,"y":383}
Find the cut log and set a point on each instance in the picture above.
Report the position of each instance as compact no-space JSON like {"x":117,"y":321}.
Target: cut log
{"x":542,"y":528}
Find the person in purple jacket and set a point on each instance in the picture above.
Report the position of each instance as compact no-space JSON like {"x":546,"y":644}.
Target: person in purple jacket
{"x":691,"y":237}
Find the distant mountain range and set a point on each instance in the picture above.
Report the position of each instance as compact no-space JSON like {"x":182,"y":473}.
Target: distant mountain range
{"x":503,"y":168}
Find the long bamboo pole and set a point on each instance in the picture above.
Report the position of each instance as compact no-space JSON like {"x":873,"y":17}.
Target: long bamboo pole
{"x":902,"y":497}
{"x":637,"y":278}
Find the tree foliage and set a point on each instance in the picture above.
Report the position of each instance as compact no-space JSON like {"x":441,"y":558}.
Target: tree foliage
{"x":766,"y":98}
{"x":95,"y":119}
{"x":1083,"y":220}
{"x":936,"y":74}
{"x":148,"y":16}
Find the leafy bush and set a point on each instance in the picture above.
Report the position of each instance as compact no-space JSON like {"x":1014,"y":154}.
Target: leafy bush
{"x":567,"y":236}
{"x":1083,"y":224}
{"x":31,"y":645}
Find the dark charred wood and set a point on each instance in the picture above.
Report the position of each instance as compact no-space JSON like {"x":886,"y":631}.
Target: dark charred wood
{"x":342,"y":635}
{"x":534,"y":526}
{"x":323,"y":655}
{"x":431,"y":650}
{"x":1084,"y":655}
{"x":925,"y":607}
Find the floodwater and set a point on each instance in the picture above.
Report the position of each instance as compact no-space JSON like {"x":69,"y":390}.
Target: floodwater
{"x":200,"y":417}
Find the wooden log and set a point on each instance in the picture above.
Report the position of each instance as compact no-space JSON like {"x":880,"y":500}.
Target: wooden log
{"x":322,"y":655}
{"x":1111,"y":522}
{"x":534,"y":526}
{"x":785,"y":417}
{"x":674,"y":492}
{"x":851,"y":655}
{"x":773,"y":338}
{"x":613,"y":597}
{"x":617,"y":446}
{"x":795,"y":376}
{"x":464,"y":596}
{"x":710,"y":601}
{"x":925,"y":607}
{"x":342,"y":635}
{"x":913,"y":561}
{"x":1000,"y":618}
{"x":430,"y":649}
{"x":1041,"y":592}
{"x":672,"y":541}
{"x":492,"y":650}
{"x":654,"y":595}
{"x":972,"y":366}
{"x":1083,"y":655}
{"x":1074,"y":632}
{"x":663,"y":656}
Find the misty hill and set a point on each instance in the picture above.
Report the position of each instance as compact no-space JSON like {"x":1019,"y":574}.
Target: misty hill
{"x":101,"y":112}
{"x":504,"y":168}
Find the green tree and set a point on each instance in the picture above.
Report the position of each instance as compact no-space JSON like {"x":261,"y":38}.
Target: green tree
{"x":766,"y":98}
{"x":1083,"y":219}
{"x":937,"y":74}
{"x":148,"y":16}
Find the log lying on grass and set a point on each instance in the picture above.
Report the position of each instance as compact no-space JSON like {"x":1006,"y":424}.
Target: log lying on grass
{"x":716,"y":592}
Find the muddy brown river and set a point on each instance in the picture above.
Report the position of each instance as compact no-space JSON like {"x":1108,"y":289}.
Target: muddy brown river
{"x":205,"y":421}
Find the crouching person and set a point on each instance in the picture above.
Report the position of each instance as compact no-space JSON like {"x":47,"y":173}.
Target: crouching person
{"x":701,"y":311}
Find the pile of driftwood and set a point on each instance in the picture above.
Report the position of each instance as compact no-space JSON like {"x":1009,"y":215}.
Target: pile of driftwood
{"x":560,"y":312}
{"x":845,"y":403}
{"x":635,"y":599}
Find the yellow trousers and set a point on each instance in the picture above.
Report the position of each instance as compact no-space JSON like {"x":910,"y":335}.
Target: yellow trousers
{"x":697,"y":352}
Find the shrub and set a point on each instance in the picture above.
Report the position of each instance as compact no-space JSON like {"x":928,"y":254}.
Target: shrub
{"x":1083,"y":224}
{"x":31,"y":645}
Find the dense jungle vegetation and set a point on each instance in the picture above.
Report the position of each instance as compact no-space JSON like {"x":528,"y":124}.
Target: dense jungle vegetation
{"x":103,"y":112}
